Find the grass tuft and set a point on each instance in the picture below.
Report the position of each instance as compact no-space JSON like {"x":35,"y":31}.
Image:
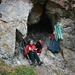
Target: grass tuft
{"x":17,"y":70}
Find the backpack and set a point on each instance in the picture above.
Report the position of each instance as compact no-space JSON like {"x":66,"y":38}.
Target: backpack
{"x":39,"y":46}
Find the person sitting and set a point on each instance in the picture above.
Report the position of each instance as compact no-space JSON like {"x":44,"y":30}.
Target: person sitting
{"x":31,"y":50}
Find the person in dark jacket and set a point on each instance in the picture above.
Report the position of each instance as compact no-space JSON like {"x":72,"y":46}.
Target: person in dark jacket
{"x":54,"y":46}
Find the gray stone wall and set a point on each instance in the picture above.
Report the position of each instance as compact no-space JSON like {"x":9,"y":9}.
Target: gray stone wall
{"x":69,"y":34}
{"x":14,"y":16}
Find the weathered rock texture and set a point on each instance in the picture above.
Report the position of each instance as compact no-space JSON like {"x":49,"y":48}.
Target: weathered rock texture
{"x":17,"y":14}
{"x":69,"y":34}
{"x":55,"y":9}
{"x":35,"y":14}
{"x":14,"y":16}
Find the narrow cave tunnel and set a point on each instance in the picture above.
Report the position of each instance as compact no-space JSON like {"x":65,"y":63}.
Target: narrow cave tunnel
{"x":44,"y":25}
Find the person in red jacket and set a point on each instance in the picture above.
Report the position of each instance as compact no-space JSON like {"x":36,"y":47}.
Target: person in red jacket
{"x":31,"y":50}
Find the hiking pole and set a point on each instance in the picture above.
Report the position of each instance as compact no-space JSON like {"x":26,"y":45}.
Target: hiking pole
{"x":28,"y":59}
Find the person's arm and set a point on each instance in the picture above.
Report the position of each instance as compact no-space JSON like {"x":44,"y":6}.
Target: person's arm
{"x":34,"y":48}
{"x":30,"y":49}
{"x":26,"y":50}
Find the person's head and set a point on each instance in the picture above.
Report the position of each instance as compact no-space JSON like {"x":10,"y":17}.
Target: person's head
{"x":31,"y":42}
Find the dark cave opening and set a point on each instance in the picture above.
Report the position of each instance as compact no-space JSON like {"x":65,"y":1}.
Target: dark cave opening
{"x":18,"y":36}
{"x":44,"y":25}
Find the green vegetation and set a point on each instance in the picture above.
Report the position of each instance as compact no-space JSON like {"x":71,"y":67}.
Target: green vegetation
{"x":17,"y":70}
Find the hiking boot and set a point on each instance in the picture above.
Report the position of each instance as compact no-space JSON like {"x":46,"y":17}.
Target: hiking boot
{"x":34,"y":64}
{"x":40,"y":63}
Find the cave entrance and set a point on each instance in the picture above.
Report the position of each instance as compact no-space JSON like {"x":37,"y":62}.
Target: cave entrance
{"x":39,"y":22}
{"x":44,"y":25}
{"x":41,"y":30}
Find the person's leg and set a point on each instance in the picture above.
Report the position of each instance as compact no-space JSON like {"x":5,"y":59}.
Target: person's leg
{"x":27,"y":57}
{"x":31,"y":56}
{"x":37,"y":58}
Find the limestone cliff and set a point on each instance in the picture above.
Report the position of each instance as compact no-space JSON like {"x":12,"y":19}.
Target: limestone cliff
{"x":17,"y":15}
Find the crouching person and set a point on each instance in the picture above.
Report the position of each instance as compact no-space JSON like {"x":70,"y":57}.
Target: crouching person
{"x":31,"y":50}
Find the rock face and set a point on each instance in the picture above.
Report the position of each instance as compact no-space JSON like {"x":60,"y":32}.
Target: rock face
{"x":69,"y":34}
{"x":55,"y":9}
{"x":65,"y":9}
{"x":14,"y":16}
{"x":7,"y":40}
{"x":15,"y":10}
{"x":35,"y":14}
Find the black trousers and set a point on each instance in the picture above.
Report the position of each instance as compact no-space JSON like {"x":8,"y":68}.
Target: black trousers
{"x":33,"y":55}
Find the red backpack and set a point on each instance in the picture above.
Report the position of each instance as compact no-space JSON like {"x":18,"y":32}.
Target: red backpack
{"x":39,"y":46}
